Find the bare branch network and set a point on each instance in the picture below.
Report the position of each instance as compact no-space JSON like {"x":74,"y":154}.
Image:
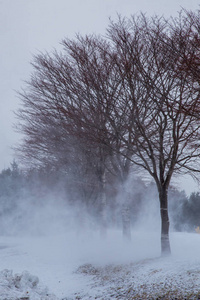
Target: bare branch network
{"x":129,"y":99}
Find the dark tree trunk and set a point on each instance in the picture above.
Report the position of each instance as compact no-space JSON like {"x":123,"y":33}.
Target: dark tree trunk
{"x":165,"y":244}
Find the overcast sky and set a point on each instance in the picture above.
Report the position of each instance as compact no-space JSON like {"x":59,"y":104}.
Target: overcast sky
{"x":29,"y":26}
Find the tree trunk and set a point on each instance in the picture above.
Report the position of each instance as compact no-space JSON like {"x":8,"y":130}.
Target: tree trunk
{"x":103,"y":202}
{"x":165,"y":244}
{"x":126,"y":223}
{"x":103,"y":228}
{"x":126,"y":220}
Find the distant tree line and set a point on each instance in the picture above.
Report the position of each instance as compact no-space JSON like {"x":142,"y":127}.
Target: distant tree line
{"x":36,"y":186}
{"x":23,"y":191}
{"x":106,"y":107}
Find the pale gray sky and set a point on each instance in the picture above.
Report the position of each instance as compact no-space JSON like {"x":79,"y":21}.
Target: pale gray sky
{"x":29,"y":26}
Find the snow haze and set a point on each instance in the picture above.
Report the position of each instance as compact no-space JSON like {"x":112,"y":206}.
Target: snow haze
{"x":52,"y":249}
{"x":72,"y":266}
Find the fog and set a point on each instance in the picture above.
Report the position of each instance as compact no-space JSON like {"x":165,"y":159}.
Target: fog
{"x":74,"y":234}
{"x":52,"y":215}
{"x":56,"y":206}
{"x":54,"y":229}
{"x":53,"y":234}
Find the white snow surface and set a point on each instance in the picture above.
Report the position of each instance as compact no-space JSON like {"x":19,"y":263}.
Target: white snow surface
{"x":83,"y":266}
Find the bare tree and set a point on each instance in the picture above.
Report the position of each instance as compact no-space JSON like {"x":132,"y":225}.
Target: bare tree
{"x":71,"y":100}
{"x":130,"y":99}
{"x":165,"y":137}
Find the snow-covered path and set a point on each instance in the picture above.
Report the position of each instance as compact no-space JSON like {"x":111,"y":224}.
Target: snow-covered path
{"x":107,"y":269}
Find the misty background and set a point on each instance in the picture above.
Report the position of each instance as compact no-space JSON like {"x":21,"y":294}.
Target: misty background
{"x":27,"y":28}
{"x":51,"y":216}
{"x":42,"y":201}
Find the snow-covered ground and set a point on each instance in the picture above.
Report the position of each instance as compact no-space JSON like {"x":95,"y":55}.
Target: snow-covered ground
{"x":83,"y":266}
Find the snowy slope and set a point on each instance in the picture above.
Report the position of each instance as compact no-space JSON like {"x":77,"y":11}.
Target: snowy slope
{"x":82,"y":266}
